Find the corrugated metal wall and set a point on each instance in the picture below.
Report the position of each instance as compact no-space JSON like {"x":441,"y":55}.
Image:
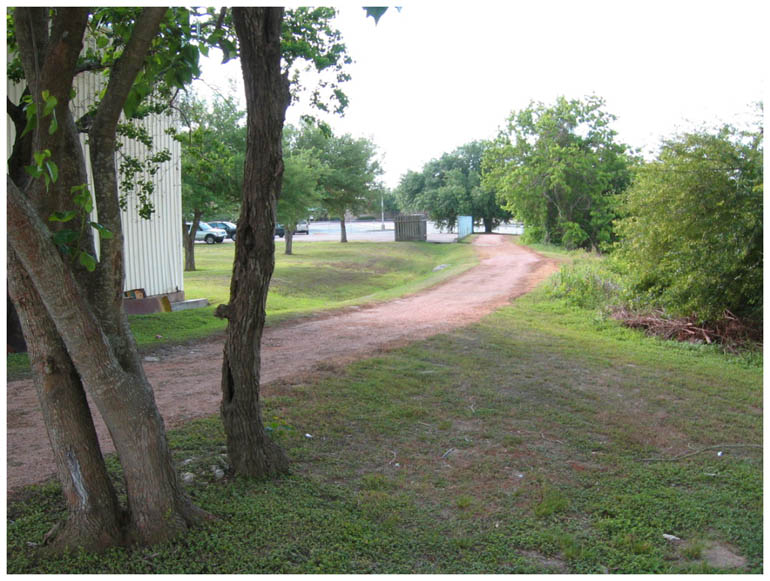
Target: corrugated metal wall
{"x":153,"y":248}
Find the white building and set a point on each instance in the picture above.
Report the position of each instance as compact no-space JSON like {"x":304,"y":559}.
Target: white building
{"x":153,"y":248}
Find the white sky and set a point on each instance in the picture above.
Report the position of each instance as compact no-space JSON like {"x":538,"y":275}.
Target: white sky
{"x":434,"y":76}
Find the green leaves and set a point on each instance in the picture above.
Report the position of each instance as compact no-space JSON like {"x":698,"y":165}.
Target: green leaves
{"x":49,"y":109}
{"x":68,"y":239}
{"x":559,"y":169}
{"x":692,"y":231}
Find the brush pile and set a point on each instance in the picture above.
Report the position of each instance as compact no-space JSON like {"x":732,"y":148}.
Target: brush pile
{"x":730,"y":331}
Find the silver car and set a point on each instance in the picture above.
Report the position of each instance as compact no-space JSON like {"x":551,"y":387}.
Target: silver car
{"x":207,"y":233}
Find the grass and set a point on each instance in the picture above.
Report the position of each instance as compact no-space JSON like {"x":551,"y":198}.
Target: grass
{"x":318,"y":276}
{"x":542,"y":439}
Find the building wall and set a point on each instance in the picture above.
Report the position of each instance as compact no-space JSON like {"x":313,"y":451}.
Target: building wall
{"x":153,"y":248}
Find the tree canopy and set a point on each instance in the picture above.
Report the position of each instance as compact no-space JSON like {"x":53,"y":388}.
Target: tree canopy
{"x":560,"y":170}
{"x":349,"y":170}
{"x":451,"y":186}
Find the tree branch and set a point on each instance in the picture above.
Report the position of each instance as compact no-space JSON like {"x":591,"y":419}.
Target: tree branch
{"x":103,"y":138}
{"x":125,"y":70}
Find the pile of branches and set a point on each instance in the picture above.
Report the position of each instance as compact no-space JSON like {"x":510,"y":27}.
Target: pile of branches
{"x":730,"y":331}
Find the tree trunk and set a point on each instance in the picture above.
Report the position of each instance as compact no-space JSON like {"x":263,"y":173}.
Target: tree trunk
{"x":489,"y":225}
{"x":343,"y":232}
{"x":158,"y":508}
{"x":94,"y":519}
{"x":251,"y":451}
{"x":188,"y":238}
{"x":289,"y":238}
{"x":93,"y":513}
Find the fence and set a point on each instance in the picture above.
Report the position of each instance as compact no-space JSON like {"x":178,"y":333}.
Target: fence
{"x":464,"y":226}
{"x":410,"y":228}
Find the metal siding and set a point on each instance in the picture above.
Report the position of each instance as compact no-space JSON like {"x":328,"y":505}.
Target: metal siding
{"x":153,"y":248}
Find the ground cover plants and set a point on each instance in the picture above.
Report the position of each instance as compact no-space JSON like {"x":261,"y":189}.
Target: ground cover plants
{"x":545,"y":438}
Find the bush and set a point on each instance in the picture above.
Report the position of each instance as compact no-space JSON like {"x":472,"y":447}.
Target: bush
{"x":588,"y":283}
{"x":692,"y":235}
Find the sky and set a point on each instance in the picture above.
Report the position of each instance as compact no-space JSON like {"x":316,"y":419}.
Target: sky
{"x":433,"y":76}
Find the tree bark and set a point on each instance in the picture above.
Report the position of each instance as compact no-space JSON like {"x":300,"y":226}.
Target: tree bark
{"x":250,"y":450}
{"x":289,"y":238}
{"x":94,"y":517}
{"x":188,"y":237}
{"x":93,"y":513}
{"x":158,"y":508}
{"x":343,"y":231}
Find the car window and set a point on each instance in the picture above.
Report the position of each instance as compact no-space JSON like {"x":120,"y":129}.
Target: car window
{"x":204,"y":226}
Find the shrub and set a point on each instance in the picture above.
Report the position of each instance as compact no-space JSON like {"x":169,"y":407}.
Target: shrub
{"x":692,"y":235}
{"x":588,"y":283}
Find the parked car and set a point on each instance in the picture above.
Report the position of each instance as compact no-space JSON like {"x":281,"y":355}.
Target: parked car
{"x":207,"y":233}
{"x":228,"y":227}
{"x":302,"y":227}
{"x":279,"y":230}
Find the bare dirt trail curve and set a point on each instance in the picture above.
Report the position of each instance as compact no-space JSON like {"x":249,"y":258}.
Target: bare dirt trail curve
{"x":186,"y":380}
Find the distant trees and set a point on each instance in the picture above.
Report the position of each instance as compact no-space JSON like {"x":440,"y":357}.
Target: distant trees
{"x":451,"y":186}
{"x":300,"y":190}
{"x":560,"y":170}
{"x":348,"y":172}
{"x":692,"y":227}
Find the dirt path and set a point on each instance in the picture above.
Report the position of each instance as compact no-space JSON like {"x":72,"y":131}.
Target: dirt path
{"x":186,"y":379}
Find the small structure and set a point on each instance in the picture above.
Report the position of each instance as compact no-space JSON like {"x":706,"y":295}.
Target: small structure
{"x":464,"y":226}
{"x":411,"y":228}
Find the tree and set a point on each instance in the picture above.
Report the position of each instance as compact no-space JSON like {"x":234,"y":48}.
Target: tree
{"x":70,"y":300}
{"x":451,"y":186}
{"x":270,"y":47}
{"x":250,"y":450}
{"x":299,"y":191}
{"x":692,"y":228}
{"x":213,"y":149}
{"x":559,"y":169}
{"x":70,"y":303}
{"x":349,"y":171}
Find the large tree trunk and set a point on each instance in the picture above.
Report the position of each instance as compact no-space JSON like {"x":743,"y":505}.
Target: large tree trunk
{"x":343,"y":231}
{"x":158,"y":508}
{"x":251,"y":451}
{"x":93,"y":513}
{"x":94,"y":517}
{"x":86,"y":308}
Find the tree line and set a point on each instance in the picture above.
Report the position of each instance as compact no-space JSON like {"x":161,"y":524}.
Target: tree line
{"x":323,"y":173}
{"x":685,"y":228}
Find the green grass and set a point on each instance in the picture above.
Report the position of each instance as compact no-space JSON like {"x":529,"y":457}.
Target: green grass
{"x":318,"y":276}
{"x":542,"y":439}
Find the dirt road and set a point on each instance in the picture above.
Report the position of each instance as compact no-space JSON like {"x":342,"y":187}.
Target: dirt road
{"x":186,"y":379}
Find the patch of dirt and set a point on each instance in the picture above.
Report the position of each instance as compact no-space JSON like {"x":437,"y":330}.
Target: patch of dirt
{"x":186,"y":380}
{"x":554,"y":564}
{"x":723,"y":556}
